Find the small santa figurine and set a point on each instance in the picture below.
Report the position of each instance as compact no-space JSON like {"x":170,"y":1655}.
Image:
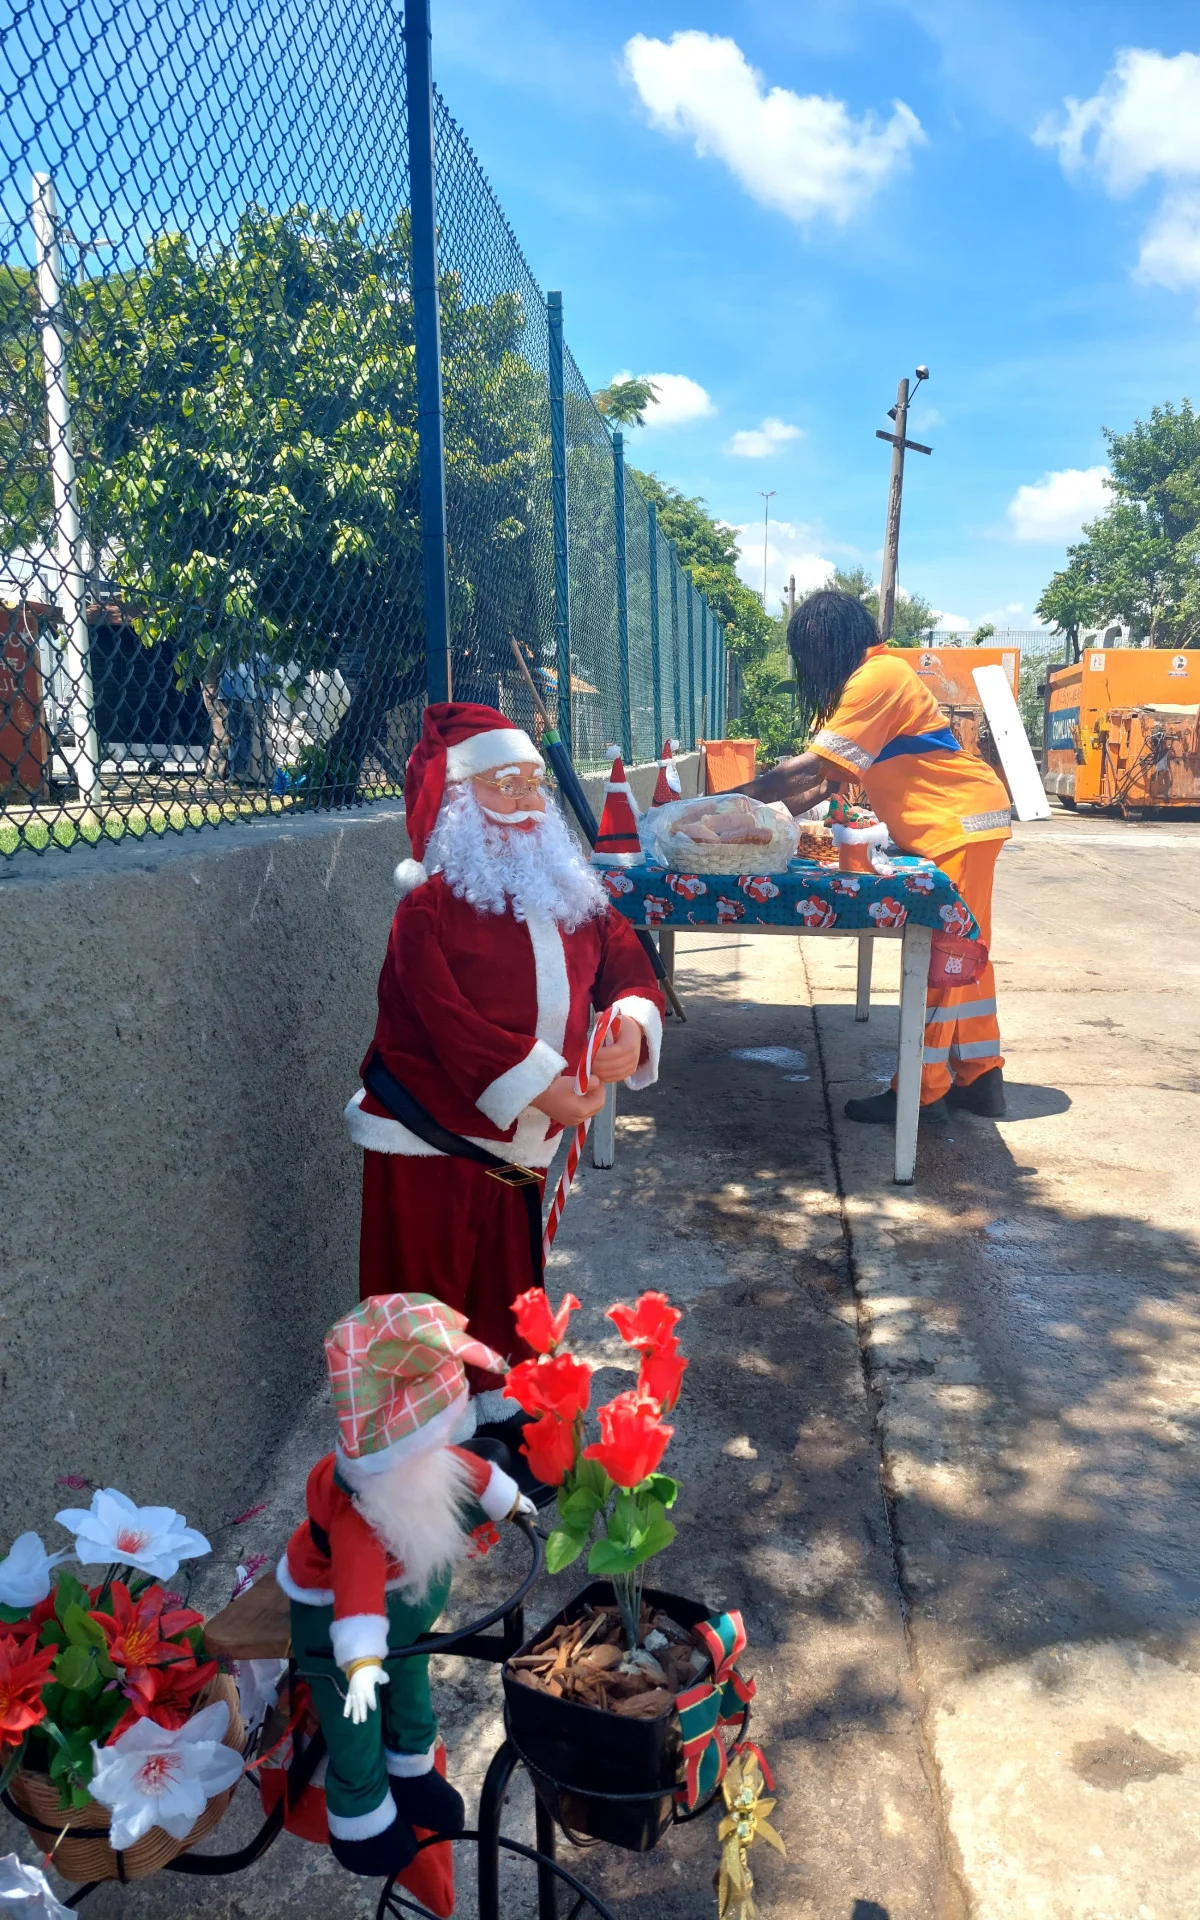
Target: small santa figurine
{"x":502,"y":947}
{"x":390,"y":1512}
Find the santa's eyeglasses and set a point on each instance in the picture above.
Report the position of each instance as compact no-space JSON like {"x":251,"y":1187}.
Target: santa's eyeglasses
{"x":513,"y":787}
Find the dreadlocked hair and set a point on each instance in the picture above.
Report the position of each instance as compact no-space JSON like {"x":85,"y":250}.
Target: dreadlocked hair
{"x":827,"y":636}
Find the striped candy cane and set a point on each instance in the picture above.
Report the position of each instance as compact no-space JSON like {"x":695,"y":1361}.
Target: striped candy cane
{"x":605,"y":1022}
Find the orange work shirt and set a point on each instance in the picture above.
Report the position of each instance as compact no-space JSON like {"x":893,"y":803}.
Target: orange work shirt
{"x":889,"y":734}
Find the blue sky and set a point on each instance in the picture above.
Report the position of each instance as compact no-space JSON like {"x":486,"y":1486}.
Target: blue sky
{"x":790,"y":203}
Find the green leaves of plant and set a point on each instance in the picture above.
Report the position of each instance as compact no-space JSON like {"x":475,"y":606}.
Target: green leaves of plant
{"x":637,"y":1529}
{"x":562,"y":1546}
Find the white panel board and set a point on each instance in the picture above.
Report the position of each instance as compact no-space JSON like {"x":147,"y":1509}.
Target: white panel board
{"x":1030,"y":801}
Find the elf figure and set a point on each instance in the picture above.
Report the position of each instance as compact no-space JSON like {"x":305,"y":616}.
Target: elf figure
{"x":503,"y":947}
{"x":390,"y":1512}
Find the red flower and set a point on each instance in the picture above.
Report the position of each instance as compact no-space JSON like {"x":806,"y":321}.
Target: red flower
{"x":144,"y":1632}
{"x":23,"y":1674}
{"x":165,"y":1695}
{"x":536,"y":1325}
{"x":549,"y":1446}
{"x":649,"y":1324}
{"x":633,"y":1441}
{"x":660,"y":1375}
{"x":560,"y":1385}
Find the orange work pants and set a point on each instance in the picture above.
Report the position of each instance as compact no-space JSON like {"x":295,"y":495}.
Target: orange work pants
{"x":962,"y":1034}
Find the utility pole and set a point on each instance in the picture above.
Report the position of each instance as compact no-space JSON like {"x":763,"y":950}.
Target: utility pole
{"x":891,"y":537}
{"x":791,"y":595}
{"x":766,"y":500}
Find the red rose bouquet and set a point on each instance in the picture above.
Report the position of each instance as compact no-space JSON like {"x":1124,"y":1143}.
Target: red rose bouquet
{"x":610,"y":1493}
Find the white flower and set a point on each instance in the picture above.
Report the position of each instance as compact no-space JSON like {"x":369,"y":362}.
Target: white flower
{"x":162,"y":1777}
{"x":25,"y":1574}
{"x":26,"y":1891}
{"x":258,"y":1683}
{"x":152,"y":1539}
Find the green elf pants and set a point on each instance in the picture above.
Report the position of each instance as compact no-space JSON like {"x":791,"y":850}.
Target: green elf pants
{"x":400,"y":1729}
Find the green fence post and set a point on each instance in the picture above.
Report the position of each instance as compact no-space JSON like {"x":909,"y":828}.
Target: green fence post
{"x":691,"y":662}
{"x":706,"y":711}
{"x":676,"y":677}
{"x":618,"y":448}
{"x":655,"y":647}
{"x":558,"y":497}
{"x":427,"y":340}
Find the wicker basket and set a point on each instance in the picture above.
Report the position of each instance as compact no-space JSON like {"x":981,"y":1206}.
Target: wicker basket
{"x":82,"y":1852}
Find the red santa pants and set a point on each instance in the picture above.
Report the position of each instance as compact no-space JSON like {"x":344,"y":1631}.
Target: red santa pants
{"x":447,"y":1227}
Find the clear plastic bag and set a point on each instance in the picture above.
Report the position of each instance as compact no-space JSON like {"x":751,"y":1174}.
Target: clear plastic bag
{"x":719,"y":833}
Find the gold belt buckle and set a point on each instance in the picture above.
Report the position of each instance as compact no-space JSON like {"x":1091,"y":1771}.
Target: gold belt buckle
{"x":513,"y":1175}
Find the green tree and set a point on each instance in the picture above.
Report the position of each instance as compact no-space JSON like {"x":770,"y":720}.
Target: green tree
{"x":983,"y":634}
{"x":1069,"y":604}
{"x":913,"y":619}
{"x":1138,"y":562}
{"x":625,"y":401}
{"x":708,"y":549}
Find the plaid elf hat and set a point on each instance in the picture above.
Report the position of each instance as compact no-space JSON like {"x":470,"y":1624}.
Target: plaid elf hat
{"x":396,"y":1369}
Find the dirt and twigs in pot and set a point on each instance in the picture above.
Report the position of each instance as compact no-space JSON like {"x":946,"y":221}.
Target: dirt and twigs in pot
{"x":584,"y":1660}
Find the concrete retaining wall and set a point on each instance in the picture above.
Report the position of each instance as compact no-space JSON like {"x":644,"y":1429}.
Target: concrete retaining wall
{"x":181,"y":1025}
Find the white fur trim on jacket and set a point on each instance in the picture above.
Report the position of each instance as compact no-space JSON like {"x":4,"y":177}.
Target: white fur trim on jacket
{"x":435,"y":1433}
{"x":409,"y":1766}
{"x":649,"y":1019}
{"x":379,"y":1133}
{"x":500,"y":1495}
{"x":307,"y":1596}
{"x":360,"y":1636}
{"x":508,"y":1096}
{"x":483,"y":751}
{"x":409,"y":875}
{"x":362,"y":1826}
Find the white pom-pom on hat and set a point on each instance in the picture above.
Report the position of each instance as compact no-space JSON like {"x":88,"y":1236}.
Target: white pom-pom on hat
{"x":409,"y":875}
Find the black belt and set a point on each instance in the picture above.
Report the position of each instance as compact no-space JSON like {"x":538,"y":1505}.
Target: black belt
{"x":407,"y":1109}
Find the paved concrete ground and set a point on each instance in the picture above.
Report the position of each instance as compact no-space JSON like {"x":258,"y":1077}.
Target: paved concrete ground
{"x":978,"y":1680}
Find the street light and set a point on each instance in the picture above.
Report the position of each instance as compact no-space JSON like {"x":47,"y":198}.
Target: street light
{"x":766,"y":500}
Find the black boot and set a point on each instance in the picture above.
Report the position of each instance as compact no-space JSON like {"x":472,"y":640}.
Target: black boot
{"x":983,"y":1096}
{"x":426,"y":1800}
{"x":500,"y":1442}
{"x":879,"y":1110}
{"x":379,"y":1857}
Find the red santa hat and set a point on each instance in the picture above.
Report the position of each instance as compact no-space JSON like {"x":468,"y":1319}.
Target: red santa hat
{"x":458,"y":740}
{"x":667,"y":787}
{"x":617,"y":843}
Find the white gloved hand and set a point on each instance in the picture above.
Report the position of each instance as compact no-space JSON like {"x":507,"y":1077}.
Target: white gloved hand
{"x":525,"y":1506}
{"x":361,"y":1688}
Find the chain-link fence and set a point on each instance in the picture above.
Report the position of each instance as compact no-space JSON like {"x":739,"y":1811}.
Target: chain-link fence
{"x":211,"y":588}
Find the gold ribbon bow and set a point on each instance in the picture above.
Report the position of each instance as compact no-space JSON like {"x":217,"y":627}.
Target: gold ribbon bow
{"x":744,"y":1822}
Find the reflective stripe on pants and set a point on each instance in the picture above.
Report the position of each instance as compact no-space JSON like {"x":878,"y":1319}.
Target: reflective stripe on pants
{"x":962,"y":1034}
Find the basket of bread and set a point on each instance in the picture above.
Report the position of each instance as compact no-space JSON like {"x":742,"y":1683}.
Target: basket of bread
{"x":719,"y":833}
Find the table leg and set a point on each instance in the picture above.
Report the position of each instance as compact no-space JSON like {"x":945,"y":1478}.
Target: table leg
{"x":666,"y":949}
{"x":604,"y":1130}
{"x":862,"y":1003}
{"x":914,"y":978}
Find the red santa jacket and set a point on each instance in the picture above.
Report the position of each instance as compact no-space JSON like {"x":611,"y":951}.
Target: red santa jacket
{"x":344,"y":1564}
{"x":479,"y":1012}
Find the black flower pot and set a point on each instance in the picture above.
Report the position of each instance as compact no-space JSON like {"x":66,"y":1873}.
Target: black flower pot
{"x":601,"y":1775}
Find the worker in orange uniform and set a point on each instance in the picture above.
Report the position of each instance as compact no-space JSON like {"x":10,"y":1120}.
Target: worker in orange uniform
{"x":879,"y":726}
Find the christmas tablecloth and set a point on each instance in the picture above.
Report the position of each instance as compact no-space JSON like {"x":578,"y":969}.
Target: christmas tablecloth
{"x":808,"y":895}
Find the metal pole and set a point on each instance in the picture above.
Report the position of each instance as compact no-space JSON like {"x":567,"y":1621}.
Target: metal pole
{"x":558,"y":496}
{"x":766,"y":500}
{"x":83,"y":757}
{"x":704,"y":703}
{"x":676,"y":676}
{"x":891,"y":538}
{"x":427,"y":335}
{"x":791,"y":595}
{"x":655,"y":637}
{"x":691,"y":663}
{"x":618,"y":448}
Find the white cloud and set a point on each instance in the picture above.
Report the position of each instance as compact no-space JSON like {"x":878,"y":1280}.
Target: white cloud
{"x":679,"y":399}
{"x":951,"y":622}
{"x":1143,"y":124}
{"x":801,"y":154}
{"x":756,"y":443}
{"x":791,"y":548}
{"x":1056,"y":506}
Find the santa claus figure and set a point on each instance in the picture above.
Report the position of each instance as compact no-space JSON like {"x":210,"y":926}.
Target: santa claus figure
{"x":390,"y":1512}
{"x":503,"y":946}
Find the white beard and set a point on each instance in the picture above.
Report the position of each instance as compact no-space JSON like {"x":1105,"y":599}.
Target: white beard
{"x":416,"y":1509}
{"x":539,"y":870}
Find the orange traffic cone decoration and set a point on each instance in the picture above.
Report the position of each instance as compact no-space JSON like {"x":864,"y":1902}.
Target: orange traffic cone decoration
{"x":617,"y":843}
{"x":667,"y":787}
